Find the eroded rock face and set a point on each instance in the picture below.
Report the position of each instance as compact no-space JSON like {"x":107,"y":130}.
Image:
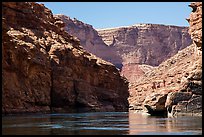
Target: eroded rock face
{"x":89,"y":39}
{"x":182,"y":74}
{"x":192,"y":105}
{"x":26,"y":77}
{"x":131,"y":48}
{"x":179,"y":85}
{"x":84,"y":82}
{"x":45,"y":69}
{"x":195,"y":21}
{"x":155,"y":103}
{"x":148,"y":44}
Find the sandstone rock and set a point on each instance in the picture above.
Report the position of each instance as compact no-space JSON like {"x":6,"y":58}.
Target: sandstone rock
{"x":191,"y":107}
{"x":46,"y":70}
{"x":195,"y":87}
{"x":180,"y":79}
{"x":26,"y":79}
{"x":174,"y":98}
{"x":144,"y":85}
{"x":128,"y":48}
{"x":182,"y":73}
{"x":195,"y":105}
{"x":155,"y":103}
{"x":195,"y":21}
{"x":148,"y":44}
{"x":89,"y":39}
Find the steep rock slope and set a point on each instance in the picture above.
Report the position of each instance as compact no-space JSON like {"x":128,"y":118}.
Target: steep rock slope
{"x":148,"y":44}
{"x":175,"y":86}
{"x":133,"y":49}
{"x":195,"y":21}
{"x":179,"y":72}
{"x":45,"y":69}
{"x":89,"y":39}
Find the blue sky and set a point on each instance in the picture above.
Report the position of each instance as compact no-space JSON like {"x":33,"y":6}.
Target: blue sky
{"x":115,"y":14}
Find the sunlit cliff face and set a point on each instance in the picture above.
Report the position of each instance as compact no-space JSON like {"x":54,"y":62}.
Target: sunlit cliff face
{"x":195,"y":21}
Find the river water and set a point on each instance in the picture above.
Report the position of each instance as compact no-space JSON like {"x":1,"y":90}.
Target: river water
{"x":100,"y":123}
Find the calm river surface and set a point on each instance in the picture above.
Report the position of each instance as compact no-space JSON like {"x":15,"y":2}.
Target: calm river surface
{"x":100,"y":123}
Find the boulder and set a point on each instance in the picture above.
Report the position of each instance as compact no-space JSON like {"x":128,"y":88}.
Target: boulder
{"x":155,"y":103}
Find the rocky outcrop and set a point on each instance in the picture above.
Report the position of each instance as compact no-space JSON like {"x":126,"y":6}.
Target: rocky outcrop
{"x":89,"y":39}
{"x":148,"y":44}
{"x":178,"y":80}
{"x":190,"y":99}
{"x":44,"y":69}
{"x":191,"y":103}
{"x":155,"y":103}
{"x":130,"y":48}
{"x":195,"y":21}
{"x":26,"y":69}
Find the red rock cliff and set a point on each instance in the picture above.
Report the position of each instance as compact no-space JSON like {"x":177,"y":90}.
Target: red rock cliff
{"x":145,"y":44}
{"x":195,"y":21}
{"x":175,"y":85}
{"x":45,"y":69}
{"x":89,"y":39}
{"x":133,"y":49}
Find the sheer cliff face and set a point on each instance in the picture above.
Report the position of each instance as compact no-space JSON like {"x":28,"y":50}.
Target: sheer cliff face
{"x":148,"y":44}
{"x":134,"y":49}
{"x":45,"y":69}
{"x":89,"y":39}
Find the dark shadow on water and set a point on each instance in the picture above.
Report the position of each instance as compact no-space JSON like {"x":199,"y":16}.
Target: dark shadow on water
{"x":99,"y":123}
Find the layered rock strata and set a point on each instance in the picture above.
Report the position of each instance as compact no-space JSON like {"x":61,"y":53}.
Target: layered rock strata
{"x":191,"y":103}
{"x":195,"y":21}
{"x":89,"y":39}
{"x":44,"y":69}
{"x":174,"y":82}
{"x":175,"y":86}
{"x":148,"y":44}
{"x":145,"y":44}
{"x":133,"y":49}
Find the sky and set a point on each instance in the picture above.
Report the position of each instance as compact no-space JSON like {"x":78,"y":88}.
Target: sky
{"x":115,"y":14}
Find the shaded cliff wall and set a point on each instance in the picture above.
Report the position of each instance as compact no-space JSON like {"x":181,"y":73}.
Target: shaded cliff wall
{"x":46,"y":70}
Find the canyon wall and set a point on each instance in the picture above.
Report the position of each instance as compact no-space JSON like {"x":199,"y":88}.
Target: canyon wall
{"x":175,"y":86}
{"x":195,"y":21}
{"x":148,"y":44}
{"x":141,"y":45}
{"x":133,"y":49}
{"x":89,"y":39}
{"x":44,"y":69}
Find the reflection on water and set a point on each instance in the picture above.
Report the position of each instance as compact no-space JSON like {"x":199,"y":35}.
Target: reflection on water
{"x":100,"y":123}
{"x":146,"y":125}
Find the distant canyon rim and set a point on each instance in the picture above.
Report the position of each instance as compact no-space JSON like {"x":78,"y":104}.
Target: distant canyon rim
{"x":133,"y":49}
